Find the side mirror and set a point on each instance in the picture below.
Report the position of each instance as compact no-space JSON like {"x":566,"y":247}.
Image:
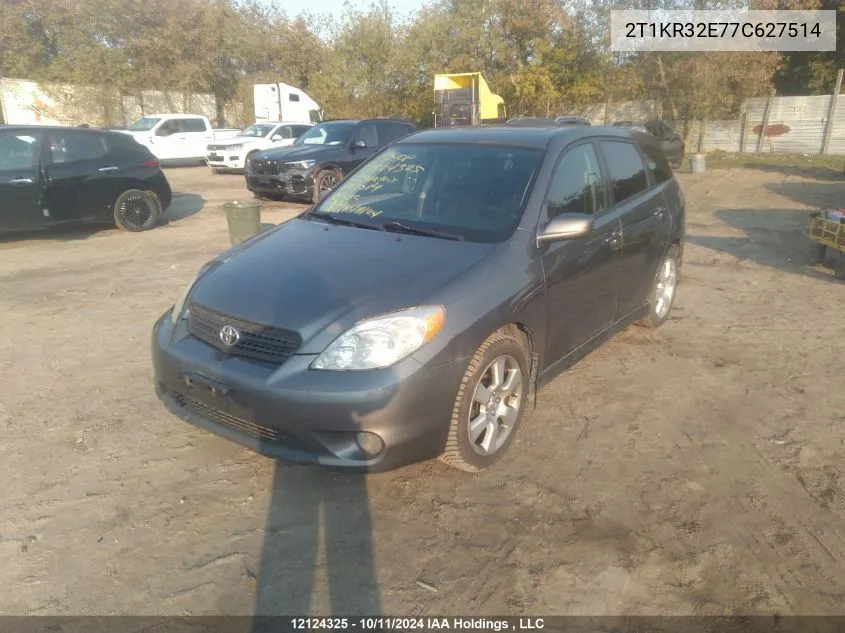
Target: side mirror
{"x":566,"y":227}
{"x":276,"y":137}
{"x":359,"y":145}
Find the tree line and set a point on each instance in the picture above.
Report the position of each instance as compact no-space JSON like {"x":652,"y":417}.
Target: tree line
{"x":545,"y":57}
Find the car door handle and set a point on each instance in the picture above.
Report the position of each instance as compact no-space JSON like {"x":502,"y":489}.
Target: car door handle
{"x":659,"y":211}
{"x":21,"y":181}
{"x":613,"y":239}
{"x":109,"y":168}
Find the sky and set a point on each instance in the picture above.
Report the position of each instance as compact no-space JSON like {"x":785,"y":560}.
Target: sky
{"x":335,"y":7}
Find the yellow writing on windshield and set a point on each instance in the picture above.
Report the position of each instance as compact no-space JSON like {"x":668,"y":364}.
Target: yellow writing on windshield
{"x":375,"y":178}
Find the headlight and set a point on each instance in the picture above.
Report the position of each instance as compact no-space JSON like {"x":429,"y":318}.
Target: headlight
{"x":234,"y":147}
{"x":300,"y":164}
{"x":179,"y":307}
{"x":381,"y":341}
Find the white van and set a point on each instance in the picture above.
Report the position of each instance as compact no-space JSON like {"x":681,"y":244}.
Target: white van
{"x":281,"y":102}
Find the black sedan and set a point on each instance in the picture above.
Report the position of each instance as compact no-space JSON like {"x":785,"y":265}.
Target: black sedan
{"x":52,"y":176}
{"x":413,"y":312}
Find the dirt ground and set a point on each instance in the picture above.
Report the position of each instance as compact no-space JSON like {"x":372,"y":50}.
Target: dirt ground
{"x":695,"y":469}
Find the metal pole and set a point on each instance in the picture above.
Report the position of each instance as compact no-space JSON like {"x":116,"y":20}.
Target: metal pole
{"x":832,"y":111}
{"x":765,"y":123}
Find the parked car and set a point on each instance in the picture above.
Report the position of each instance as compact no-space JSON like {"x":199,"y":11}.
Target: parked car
{"x":671,"y":142}
{"x":413,"y":312}
{"x":540,"y":122}
{"x":177,"y":137}
{"x":320,"y":158}
{"x":231,"y":154}
{"x":57,"y":175}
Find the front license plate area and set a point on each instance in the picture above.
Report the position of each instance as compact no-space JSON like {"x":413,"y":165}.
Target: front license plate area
{"x":207,"y":392}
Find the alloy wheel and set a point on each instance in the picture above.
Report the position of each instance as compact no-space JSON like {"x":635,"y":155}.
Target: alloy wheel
{"x":496,"y":402}
{"x":137,"y":210}
{"x":664,"y":291}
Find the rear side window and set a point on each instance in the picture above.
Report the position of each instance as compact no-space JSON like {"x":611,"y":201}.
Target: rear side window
{"x":626,"y":170}
{"x":576,"y":185}
{"x":124,"y":146}
{"x":18,"y":151}
{"x":656,"y":164}
{"x":193,"y":125}
{"x":70,"y":147}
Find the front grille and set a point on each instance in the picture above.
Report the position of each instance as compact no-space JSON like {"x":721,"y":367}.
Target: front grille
{"x":266,"y":167}
{"x":261,"y":342}
{"x":216,"y":147}
{"x":252,"y":429}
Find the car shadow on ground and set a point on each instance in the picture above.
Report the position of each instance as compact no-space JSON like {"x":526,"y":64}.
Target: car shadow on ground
{"x":775,"y":238}
{"x":69,"y":233}
{"x":317,"y":554}
{"x":183,"y":205}
{"x":813,"y":194}
{"x":804,"y":171}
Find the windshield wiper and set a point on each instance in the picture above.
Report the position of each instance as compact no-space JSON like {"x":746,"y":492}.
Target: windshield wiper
{"x":333,"y":219}
{"x":398,"y":227}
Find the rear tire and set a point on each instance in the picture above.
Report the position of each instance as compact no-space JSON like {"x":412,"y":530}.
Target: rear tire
{"x":490,"y":402}
{"x":136,"y":210}
{"x":664,"y":289}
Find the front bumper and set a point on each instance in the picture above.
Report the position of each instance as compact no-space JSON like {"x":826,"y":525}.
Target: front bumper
{"x":292,"y":183}
{"x":293,"y":413}
{"x":223,"y":159}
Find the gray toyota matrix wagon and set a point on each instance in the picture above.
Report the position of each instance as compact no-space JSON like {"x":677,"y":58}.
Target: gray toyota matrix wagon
{"x":415,"y":310}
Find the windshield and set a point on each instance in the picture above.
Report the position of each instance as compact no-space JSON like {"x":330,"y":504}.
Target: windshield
{"x":257,"y":131}
{"x":327,"y":134}
{"x":144,"y":124}
{"x":476,"y":192}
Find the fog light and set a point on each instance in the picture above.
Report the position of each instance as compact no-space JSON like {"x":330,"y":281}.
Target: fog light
{"x":370,"y":443}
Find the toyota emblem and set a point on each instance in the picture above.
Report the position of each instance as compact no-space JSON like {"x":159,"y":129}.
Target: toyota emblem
{"x":229,"y":335}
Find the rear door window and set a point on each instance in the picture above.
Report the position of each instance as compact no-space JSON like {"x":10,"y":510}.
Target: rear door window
{"x":626,"y":170}
{"x":75,"y":147}
{"x":389,"y":132}
{"x":192,"y":125}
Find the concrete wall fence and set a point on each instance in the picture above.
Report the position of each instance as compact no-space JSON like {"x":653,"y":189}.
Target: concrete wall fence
{"x":784,"y":125}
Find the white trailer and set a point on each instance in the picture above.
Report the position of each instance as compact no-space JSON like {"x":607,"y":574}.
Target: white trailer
{"x":281,"y":102}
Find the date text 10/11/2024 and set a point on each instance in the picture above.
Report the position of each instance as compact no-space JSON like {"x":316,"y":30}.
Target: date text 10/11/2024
{"x":409,"y":624}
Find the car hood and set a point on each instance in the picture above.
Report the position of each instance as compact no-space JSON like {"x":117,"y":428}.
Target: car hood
{"x":320,"y":279}
{"x":299,"y":152}
{"x":238,"y":140}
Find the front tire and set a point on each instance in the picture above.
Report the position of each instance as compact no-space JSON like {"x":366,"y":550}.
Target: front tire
{"x":136,"y":210}
{"x":664,"y":289}
{"x":490,"y":403}
{"x":324,"y":182}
